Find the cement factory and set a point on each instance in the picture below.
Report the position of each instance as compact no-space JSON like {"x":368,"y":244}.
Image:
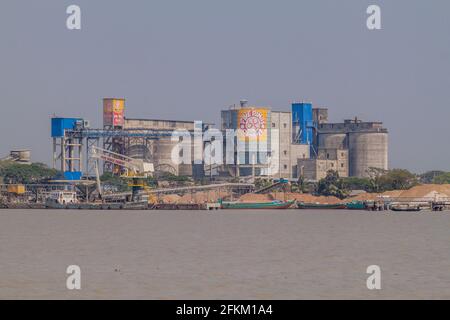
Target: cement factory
{"x":221,"y":164}
{"x":298,"y":142}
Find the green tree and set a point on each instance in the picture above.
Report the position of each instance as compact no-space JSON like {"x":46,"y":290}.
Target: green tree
{"x":429,"y":177}
{"x":395,"y":179}
{"x":398,"y":179}
{"x":303,"y":186}
{"x":355,"y":183}
{"x":332,"y":185}
{"x":13,"y":172}
{"x":443,"y":178}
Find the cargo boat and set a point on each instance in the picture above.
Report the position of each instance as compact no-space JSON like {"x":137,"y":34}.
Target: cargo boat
{"x":407,"y":208}
{"x":356,"y":205}
{"x":302,"y":205}
{"x":276,"y":204}
{"x":98,"y":206}
{"x":68,"y":200}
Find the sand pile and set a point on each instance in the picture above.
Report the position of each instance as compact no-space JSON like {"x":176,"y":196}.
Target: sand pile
{"x":251,"y":197}
{"x":202,"y":197}
{"x":392,"y":193}
{"x":301,"y":197}
{"x":364,"y":197}
{"x":170,"y":198}
{"x":308,"y":198}
{"x":422,"y":191}
{"x":418,"y":192}
{"x":427,"y":191}
{"x":376,"y":196}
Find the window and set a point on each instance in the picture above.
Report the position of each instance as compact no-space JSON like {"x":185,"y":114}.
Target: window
{"x":285,"y":166}
{"x":342,"y":165}
{"x":284,"y":125}
{"x":332,"y":165}
{"x":328,"y":156}
{"x":285,"y":152}
{"x":273,"y":125}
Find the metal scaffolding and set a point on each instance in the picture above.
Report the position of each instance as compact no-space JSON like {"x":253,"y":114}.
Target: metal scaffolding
{"x":69,"y":150}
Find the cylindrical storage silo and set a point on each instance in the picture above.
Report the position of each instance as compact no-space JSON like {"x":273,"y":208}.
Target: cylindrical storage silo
{"x":162,"y":156}
{"x":113,"y":112}
{"x":139,"y":151}
{"x":333,"y":140}
{"x":367,"y":150}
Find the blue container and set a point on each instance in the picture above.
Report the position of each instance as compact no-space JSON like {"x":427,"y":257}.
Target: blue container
{"x":75,"y":175}
{"x":302,"y":123}
{"x":61,"y":124}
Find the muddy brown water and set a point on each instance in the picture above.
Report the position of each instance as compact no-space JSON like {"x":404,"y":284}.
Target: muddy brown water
{"x":290,"y":254}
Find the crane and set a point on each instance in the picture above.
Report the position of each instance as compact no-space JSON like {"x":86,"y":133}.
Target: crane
{"x":135,"y":169}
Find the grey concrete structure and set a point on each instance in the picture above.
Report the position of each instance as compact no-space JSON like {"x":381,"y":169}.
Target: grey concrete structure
{"x":283,"y":154}
{"x":335,"y":140}
{"x":367,"y":150}
{"x":314,"y":169}
{"x":282,"y":122}
{"x":327,"y":159}
{"x":350,"y":148}
{"x":367,"y":144}
{"x":320,"y":115}
{"x":159,"y":152}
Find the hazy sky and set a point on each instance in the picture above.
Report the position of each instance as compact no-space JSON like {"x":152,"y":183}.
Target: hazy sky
{"x":188,"y":59}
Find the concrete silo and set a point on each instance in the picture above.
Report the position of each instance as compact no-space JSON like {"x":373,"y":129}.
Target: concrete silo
{"x":367,"y":150}
{"x":162,"y":150}
{"x":333,"y":140}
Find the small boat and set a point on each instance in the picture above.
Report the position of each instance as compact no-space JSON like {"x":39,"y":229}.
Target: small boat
{"x":356,"y":205}
{"x":303,"y":205}
{"x":276,"y":204}
{"x":407,"y":208}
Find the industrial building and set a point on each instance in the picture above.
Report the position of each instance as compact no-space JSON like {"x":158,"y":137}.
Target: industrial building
{"x":366,"y":143}
{"x":276,"y":155}
{"x":147,"y":139}
{"x":266,"y":143}
{"x":307,"y":145}
{"x":159,"y":151}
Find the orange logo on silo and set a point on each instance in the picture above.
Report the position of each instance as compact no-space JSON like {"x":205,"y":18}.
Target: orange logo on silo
{"x":252,"y":124}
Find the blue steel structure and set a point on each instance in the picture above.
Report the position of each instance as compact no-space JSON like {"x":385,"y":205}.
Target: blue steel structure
{"x":72,"y":140}
{"x":121,"y":133}
{"x":59,"y":125}
{"x":302,"y":123}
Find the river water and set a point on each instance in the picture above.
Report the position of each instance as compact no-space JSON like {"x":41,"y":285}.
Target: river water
{"x":284,"y":254}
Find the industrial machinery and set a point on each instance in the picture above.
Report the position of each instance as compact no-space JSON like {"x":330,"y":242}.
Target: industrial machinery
{"x":73,"y":140}
{"x":136,"y":170}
